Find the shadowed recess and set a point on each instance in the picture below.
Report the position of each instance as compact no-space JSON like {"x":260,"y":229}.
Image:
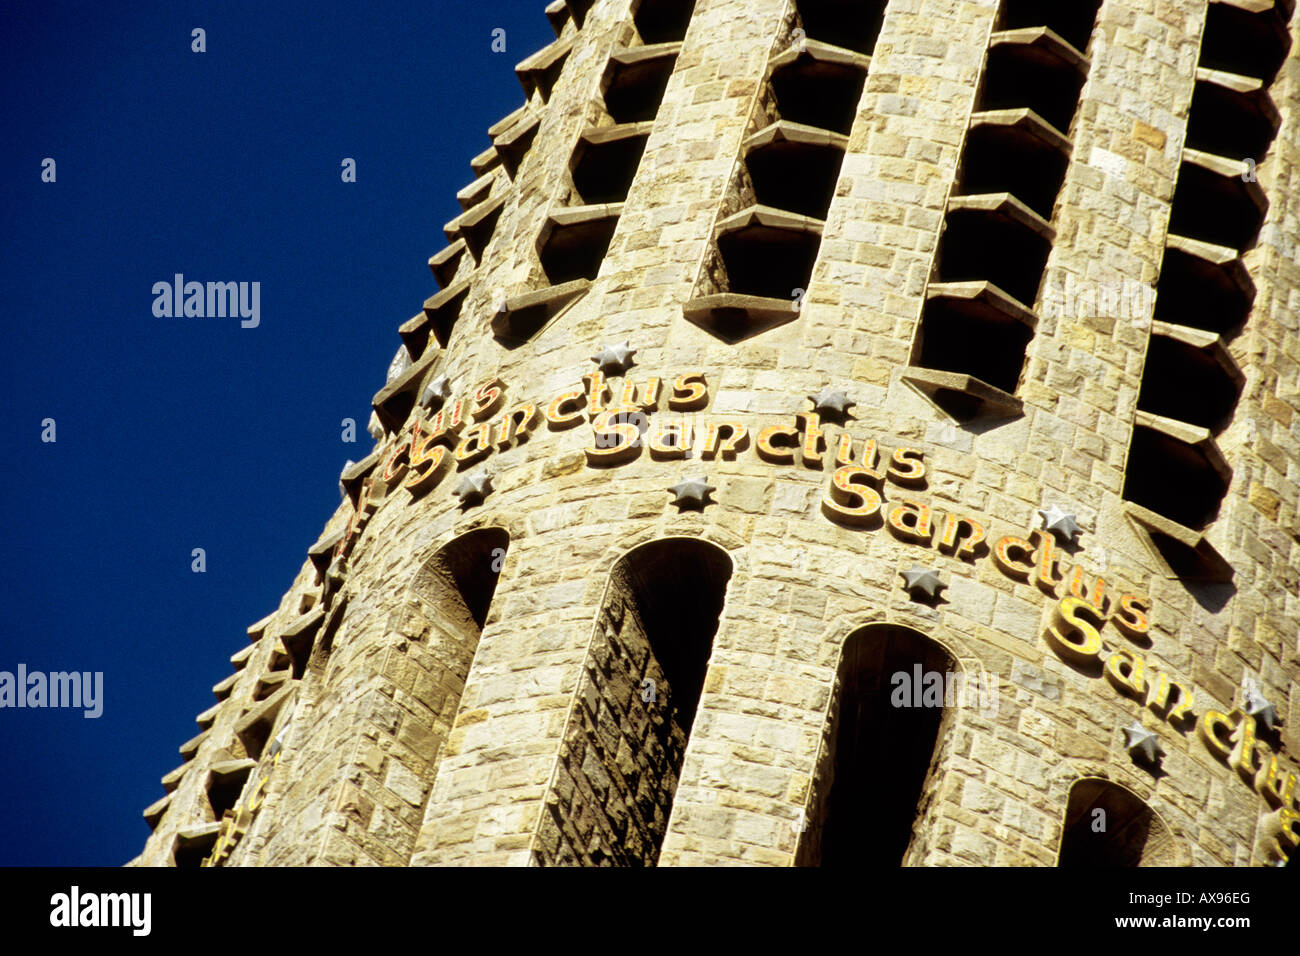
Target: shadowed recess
{"x":852,"y":24}
{"x":1072,"y":19}
{"x":880,"y":753}
{"x":1107,"y":825}
{"x":661,"y":21}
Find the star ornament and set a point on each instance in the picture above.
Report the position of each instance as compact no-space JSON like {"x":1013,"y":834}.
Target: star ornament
{"x":472,"y":489}
{"x":831,"y":404}
{"x":1060,"y":523}
{"x":1257,"y":705}
{"x":278,"y":743}
{"x":615,"y":359}
{"x":1142,"y":745}
{"x":436,"y":392}
{"x":400,"y":363}
{"x":923,"y":581}
{"x":692,"y":494}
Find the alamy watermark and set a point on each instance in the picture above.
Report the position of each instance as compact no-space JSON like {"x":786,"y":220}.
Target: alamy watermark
{"x":1113,"y":299}
{"x":75,"y":908}
{"x":75,"y":689}
{"x":922,"y":688}
{"x":212,"y":300}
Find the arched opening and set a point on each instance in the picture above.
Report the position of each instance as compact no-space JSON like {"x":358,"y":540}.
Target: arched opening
{"x":663,"y":21}
{"x":441,"y":621}
{"x":894,"y":692}
{"x":458,"y":582}
{"x":626,"y":737}
{"x":1109,"y":825}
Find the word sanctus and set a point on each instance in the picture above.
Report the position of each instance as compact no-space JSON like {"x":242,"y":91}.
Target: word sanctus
{"x":1075,"y":634}
{"x":869,"y":488}
{"x":464,"y":432}
{"x":626,"y":423}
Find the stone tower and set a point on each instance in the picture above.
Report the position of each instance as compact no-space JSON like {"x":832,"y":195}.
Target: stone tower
{"x":847,"y":430}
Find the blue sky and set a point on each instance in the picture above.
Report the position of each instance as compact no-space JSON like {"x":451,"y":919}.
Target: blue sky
{"x":182,"y":433}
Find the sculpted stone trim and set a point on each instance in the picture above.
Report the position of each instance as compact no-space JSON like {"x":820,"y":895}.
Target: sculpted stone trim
{"x":444,"y":264}
{"x":153,"y":813}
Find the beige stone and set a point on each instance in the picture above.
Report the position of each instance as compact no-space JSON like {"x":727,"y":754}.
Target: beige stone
{"x":565,"y":667}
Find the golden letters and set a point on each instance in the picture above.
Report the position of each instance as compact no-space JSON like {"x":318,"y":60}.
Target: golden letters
{"x":235,"y":823}
{"x":1132,"y":616}
{"x":769,"y":450}
{"x":617,"y":437}
{"x":690,"y":393}
{"x":1125,"y":671}
{"x":487,"y":398}
{"x":624,"y":415}
{"x":1075,"y":632}
{"x":1047,"y":576}
{"x":961,"y":536}
{"x":1011,"y":554}
{"x":1159,"y":699}
{"x":907,"y":466}
{"x":425,"y":463}
{"x":556,"y":416}
{"x":737,"y":439}
{"x":1075,"y":635}
{"x":910,"y":521}
{"x":850,"y":501}
{"x":1215,"y":730}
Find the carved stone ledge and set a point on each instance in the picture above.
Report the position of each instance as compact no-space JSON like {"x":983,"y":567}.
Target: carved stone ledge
{"x":1184,"y":552}
{"x":733,"y":317}
{"x":539,"y":72}
{"x":172,"y":779}
{"x":522,"y":316}
{"x":394,"y":402}
{"x":254,"y":728}
{"x":962,"y":397}
{"x":154,"y":813}
{"x":444,"y":264}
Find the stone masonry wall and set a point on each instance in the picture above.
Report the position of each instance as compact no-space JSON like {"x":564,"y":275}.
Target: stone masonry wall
{"x":371,"y":773}
{"x":614,"y":784}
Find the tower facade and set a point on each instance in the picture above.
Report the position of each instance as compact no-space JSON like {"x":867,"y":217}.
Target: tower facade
{"x":846,"y":430}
